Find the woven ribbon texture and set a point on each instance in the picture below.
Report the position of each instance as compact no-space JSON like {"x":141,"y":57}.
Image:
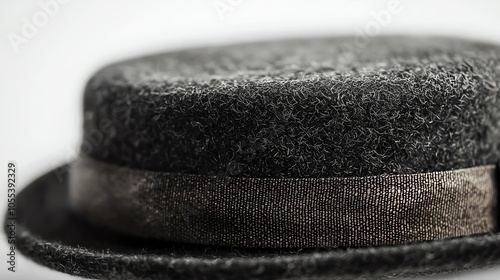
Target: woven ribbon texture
{"x":285,"y":212}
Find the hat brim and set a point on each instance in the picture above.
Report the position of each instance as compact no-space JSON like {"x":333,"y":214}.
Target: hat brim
{"x":50,"y":234}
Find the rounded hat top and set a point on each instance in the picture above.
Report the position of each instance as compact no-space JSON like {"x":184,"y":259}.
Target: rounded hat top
{"x":335,"y":107}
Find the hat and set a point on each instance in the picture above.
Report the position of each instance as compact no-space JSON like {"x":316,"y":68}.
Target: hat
{"x":296,"y":159}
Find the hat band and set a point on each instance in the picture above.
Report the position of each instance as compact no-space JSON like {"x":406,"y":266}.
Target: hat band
{"x":286,"y":212}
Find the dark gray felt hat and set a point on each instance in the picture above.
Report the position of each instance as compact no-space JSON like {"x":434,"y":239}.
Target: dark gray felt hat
{"x":312,"y":158}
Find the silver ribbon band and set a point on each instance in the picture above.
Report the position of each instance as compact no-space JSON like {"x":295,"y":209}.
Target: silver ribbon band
{"x":284,"y":212}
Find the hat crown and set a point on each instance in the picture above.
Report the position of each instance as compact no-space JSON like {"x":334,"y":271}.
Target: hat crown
{"x":300,"y":108}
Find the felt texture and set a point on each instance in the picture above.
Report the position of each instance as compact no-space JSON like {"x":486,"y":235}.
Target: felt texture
{"x":300,"y":108}
{"x":297,"y":108}
{"x":51,"y":235}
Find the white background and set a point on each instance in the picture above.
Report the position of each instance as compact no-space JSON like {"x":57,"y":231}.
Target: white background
{"x":42,"y":78}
